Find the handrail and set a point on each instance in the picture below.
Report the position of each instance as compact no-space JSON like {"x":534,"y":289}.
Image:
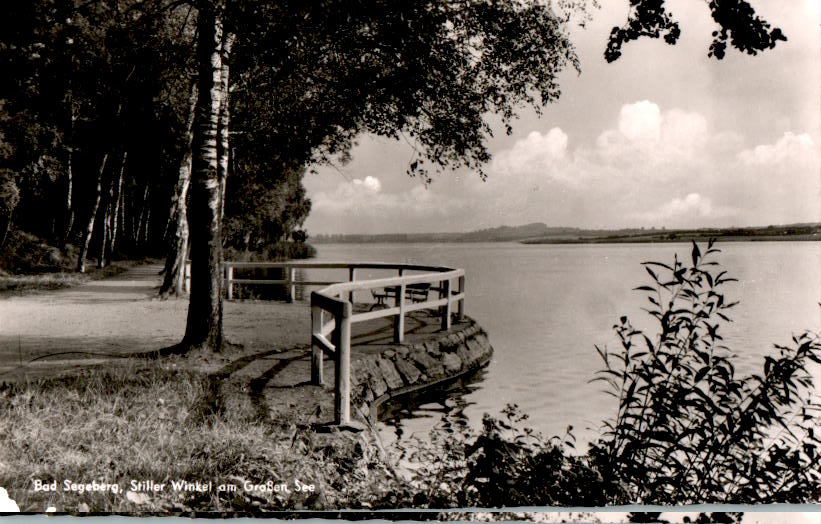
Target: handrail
{"x":336,"y":299}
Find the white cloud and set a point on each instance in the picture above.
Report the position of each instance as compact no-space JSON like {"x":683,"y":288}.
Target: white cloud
{"x":647,"y":138}
{"x":363,"y":205}
{"x":537,"y":153}
{"x":652,"y":166}
{"x":692,"y":210}
{"x":370,"y":183}
{"x":789,"y":148}
{"x":691,"y":204}
{"x":640,"y":121}
{"x":658,"y":167}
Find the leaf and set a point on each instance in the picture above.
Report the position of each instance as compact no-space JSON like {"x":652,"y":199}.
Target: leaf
{"x":696,"y":253}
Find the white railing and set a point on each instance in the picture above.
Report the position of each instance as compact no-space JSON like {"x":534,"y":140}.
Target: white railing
{"x":336,"y":299}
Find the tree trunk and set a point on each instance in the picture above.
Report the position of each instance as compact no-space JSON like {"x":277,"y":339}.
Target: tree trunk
{"x":105,"y":232}
{"x":184,"y":251}
{"x":146,"y":228}
{"x":5,"y":225}
{"x":143,"y":220}
{"x":121,"y":218}
{"x":68,"y":212}
{"x":224,"y":120}
{"x":116,"y":198}
{"x":177,"y":219}
{"x":203,"y":329}
{"x":81,"y":261}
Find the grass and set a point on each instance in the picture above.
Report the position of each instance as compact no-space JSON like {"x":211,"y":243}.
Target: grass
{"x":156,"y":421}
{"x":23,"y":284}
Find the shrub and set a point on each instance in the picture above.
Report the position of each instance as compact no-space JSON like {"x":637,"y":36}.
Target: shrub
{"x":25,"y":253}
{"x":279,"y":251}
{"x":688,"y":430}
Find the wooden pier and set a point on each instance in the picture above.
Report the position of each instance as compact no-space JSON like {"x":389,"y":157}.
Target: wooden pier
{"x":334,"y":311}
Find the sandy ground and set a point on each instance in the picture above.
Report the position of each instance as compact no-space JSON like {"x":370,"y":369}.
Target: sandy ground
{"x":78,"y":326}
{"x":57,"y":332}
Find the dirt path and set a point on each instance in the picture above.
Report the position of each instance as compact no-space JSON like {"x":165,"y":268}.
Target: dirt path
{"x":64,"y":331}
{"x":54,"y":331}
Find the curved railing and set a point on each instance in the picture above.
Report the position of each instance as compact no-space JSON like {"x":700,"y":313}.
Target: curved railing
{"x":332,"y":312}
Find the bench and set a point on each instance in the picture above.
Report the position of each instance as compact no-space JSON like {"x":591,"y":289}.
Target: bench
{"x":413,"y":292}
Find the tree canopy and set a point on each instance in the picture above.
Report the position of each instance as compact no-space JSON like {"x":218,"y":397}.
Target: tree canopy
{"x":737,"y":22}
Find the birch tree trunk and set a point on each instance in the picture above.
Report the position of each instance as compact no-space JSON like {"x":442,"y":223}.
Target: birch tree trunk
{"x":116,"y":198}
{"x":104,"y":235}
{"x":142,"y":222}
{"x":68,"y":212}
{"x":224,"y":120}
{"x":203,"y":329}
{"x":178,"y":220}
{"x":81,"y":261}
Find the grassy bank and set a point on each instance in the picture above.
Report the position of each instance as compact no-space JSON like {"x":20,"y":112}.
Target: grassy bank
{"x":22,"y":284}
{"x":155,"y":422}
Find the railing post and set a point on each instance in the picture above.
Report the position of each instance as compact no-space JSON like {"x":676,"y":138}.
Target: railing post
{"x":316,"y":352}
{"x":352,"y":275}
{"x":460,"y":308}
{"x":446,"y":309}
{"x":399,"y":320}
{"x":187,"y":276}
{"x":291,"y":276}
{"x":229,"y":281}
{"x":342,"y":381}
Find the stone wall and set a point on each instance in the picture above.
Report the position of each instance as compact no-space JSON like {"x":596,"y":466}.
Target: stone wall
{"x":408,"y":368}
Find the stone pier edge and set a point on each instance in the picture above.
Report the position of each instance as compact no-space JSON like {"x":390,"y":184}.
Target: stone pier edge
{"x":403,"y":369}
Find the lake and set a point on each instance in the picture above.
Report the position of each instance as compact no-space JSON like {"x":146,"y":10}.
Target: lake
{"x":546,"y":306}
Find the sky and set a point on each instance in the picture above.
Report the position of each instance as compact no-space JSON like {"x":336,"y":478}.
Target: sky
{"x":663,"y":137}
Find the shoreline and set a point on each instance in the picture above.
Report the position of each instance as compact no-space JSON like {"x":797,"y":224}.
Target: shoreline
{"x":675,"y":239}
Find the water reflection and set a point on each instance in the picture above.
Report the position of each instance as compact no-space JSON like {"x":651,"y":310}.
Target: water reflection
{"x":442,"y":409}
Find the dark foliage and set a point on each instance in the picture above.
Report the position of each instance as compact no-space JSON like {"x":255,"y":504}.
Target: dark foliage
{"x":738,"y":25}
{"x":688,"y":429}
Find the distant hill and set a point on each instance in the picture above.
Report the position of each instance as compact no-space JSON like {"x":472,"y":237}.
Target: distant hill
{"x":496,"y":234}
{"x":538,"y":233}
{"x":785,"y":232}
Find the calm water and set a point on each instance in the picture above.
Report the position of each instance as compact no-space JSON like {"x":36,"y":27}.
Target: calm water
{"x":545,"y":306}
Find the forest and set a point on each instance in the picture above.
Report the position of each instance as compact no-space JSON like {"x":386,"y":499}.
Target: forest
{"x":96,"y":123}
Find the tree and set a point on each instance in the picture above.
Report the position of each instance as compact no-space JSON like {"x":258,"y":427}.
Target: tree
{"x":204,"y":325}
{"x":429,"y":71}
{"x":737,"y":22}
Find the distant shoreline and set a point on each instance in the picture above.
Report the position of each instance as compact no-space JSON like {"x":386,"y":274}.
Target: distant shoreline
{"x":683,"y":238}
{"x":543,"y":234}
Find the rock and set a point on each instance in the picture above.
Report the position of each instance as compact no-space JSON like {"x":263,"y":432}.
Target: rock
{"x":408,"y":371}
{"x":428,"y":365}
{"x":468,"y":358}
{"x":389,"y":374}
{"x":432,"y":349}
{"x":452,"y":363}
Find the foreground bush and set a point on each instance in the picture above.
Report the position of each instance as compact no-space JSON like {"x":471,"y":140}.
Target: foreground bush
{"x":688,"y":429}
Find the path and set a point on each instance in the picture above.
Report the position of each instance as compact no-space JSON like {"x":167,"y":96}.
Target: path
{"x":65,"y":330}
{"x":91,"y":322}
